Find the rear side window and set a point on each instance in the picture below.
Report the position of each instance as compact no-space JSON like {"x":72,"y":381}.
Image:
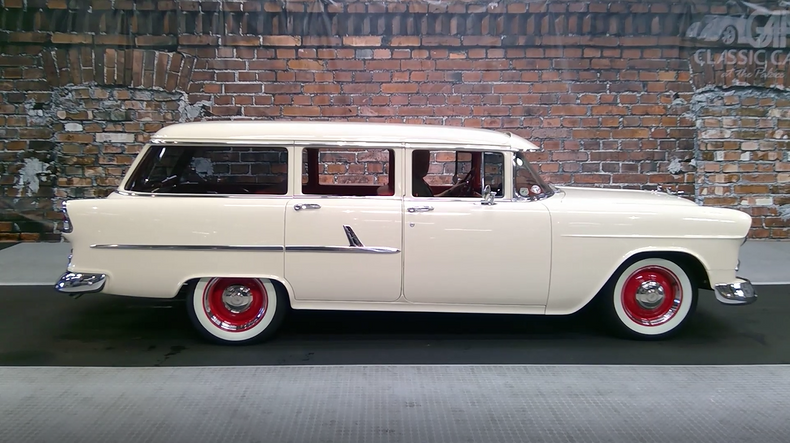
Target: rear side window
{"x":212,"y":170}
{"x":348,"y":171}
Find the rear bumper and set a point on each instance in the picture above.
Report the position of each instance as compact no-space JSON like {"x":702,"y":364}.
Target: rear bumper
{"x":739,"y":292}
{"x":79,"y":283}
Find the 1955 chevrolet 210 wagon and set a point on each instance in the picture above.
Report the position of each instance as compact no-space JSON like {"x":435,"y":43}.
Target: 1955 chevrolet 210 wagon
{"x":249,"y":219}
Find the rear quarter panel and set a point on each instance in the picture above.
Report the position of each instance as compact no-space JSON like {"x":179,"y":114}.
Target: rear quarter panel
{"x":174,"y":221}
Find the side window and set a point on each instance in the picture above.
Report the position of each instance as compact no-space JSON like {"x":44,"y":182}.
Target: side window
{"x":455,"y":173}
{"x":348,"y":171}
{"x":212,"y":170}
{"x":494,"y":172}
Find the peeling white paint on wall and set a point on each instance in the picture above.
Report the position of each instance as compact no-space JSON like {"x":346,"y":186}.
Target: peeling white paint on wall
{"x":28,"y":179}
{"x":675,"y":167}
{"x":191,"y":112}
{"x":784,"y":212}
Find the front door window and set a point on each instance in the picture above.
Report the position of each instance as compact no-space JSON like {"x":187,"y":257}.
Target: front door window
{"x":455,"y":173}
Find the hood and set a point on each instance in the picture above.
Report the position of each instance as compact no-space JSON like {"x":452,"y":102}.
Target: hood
{"x":619,"y":196}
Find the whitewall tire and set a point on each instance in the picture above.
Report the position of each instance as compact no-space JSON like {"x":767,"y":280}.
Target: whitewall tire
{"x":230,"y":310}
{"x":652,"y":298}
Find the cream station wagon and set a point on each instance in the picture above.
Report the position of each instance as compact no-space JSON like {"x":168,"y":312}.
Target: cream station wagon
{"x":247,"y":220}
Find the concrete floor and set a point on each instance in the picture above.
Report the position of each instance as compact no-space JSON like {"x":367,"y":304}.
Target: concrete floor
{"x":372,"y":404}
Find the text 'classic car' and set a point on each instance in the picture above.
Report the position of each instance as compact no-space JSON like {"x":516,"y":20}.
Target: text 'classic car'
{"x":248,"y":220}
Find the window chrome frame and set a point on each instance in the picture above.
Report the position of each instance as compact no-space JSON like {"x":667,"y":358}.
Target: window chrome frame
{"x":507,"y":173}
{"x":519,"y":198}
{"x":122,"y":188}
{"x":297,"y":171}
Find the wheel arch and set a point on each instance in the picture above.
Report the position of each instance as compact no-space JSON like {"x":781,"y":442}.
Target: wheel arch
{"x":279,"y":284}
{"x":687,"y":260}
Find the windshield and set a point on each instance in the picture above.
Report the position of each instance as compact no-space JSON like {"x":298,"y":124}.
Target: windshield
{"x":528,"y":184}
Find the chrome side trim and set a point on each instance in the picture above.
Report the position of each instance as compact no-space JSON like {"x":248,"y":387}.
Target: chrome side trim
{"x":194,"y":247}
{"x":185,"y":195}
{"x":293,"y":248}
{"x":351,"y":249}
{"x":736,"y":293}
{"x":78,"y":283}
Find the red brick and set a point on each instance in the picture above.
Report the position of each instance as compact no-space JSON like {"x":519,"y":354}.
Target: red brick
{"x":73,"y":39}
{"x":261,"y":111}
{"x":198,"y":40}
{"x":405,"y":41}
{"x":243,"y":88}
{"x":481,"y":41}
{"x":399,"y":88}
{"x":155,"y":40}
{"x":27,"y":37}
{"x":322,"y":88}
{"x":114,"y":40}
{"x":362,"y":41}
{"x":241,"y":40}
{"x":568,"y":110}
{"x":440,"y":41}
{"x":281,"y":40}
{"x":309,"y":65}
{"x":301,"y":111}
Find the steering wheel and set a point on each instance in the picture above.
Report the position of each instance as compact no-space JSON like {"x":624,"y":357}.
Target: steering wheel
{"x":466,"y":186}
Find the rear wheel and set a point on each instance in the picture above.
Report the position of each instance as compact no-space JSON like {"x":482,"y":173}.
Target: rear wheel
{"x":230,"y":310}
{"x":652,"y":298}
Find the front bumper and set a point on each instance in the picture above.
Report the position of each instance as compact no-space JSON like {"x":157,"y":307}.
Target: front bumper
{"x":79,"y":283}
{"x":740,"y":292}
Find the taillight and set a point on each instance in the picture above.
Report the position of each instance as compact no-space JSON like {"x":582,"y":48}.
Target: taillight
{"x":66,"y":227}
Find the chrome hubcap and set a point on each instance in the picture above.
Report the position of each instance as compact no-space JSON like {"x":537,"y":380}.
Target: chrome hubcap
{"x":650,"y":295}
{"x":237,"y":298}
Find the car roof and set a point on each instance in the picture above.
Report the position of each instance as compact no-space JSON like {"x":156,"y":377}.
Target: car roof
{"x":250,"y":132}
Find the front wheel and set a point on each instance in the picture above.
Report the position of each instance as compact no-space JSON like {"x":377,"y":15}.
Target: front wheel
{"x":235,"y":311}
{"x":650,"y":299}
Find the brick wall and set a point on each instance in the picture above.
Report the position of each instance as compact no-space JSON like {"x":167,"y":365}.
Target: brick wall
{"x":611,"y":90}
{"x":743,"y":142}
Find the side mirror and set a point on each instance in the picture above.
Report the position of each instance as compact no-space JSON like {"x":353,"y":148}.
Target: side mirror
{"x":488,"y":196}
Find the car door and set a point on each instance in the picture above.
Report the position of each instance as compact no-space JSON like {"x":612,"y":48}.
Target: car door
{"x":343,"y":238}
{"x":460,"y":251}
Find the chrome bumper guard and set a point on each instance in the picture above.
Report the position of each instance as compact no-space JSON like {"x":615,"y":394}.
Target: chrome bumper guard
{"x":740,"y":292}
{"x":79,"y":283}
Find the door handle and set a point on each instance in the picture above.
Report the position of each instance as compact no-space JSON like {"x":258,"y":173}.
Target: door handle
{"x":300,"y":206}
{"x":421,"y":209}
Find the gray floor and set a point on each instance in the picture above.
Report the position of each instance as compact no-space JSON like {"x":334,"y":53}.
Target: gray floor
{"x":763,"y":262}
{"x":33,"y":263}
{"x":418,"y":404}
{"x":766,"y":262}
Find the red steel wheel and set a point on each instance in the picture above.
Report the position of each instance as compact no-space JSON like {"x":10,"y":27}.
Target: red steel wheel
{"x":651,"y":298}
{"x":236,"y":310}
{"x":651,"y":295}
{"x":235,"y":304}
